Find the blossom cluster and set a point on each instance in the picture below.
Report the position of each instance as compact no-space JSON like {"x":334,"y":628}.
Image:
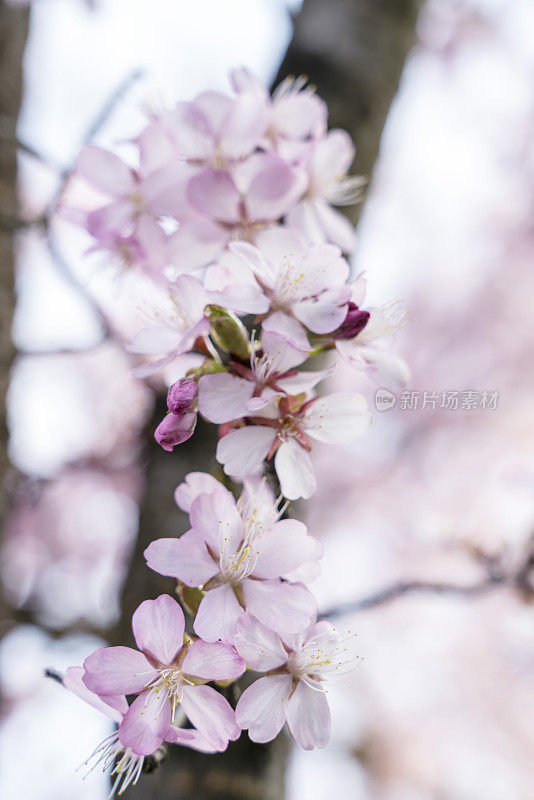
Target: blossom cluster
{"x":231,"y":210}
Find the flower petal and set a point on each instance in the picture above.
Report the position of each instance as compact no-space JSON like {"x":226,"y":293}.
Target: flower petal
{"x":295,"y":472}
{"x":145,"y":726}
{"x":337,"y":227}
{"x":244,"y":125}
{"x":153,"y":340}
{"x":273,"y":189}
{"x":385,"y":369}
{"x":242,"y":452}
{"x":287,"y":327}
{"x":195,"y":483}
{"x":332,"y":157}
{"x":215,"y":518}
{"x":325,"y":313}
{"x":337,"y":418}
{"x":276,"y":242}
{"x":191,"y":131}
{"x":282,"y":607}
{"x":211,"y":714}
{"x":213,"y":661}
{"x":232,"y":281}
{"x":114,"y":706}
{"x":190,"y":737}
{"x":214,"y":194}
{"x":305,"y":380}
{"x":223,"y":397}
{"x":117,"y":670}
{"x":158,"y":627}
{"x":262,"y":707}
{"x":308,"y":717}
{"x":283,"y":548}
{"x":254,"y":259}
{"x":281,"y":352}
{"x":186,"y":559}
{"x":105,"y":170}
{"x":299,"y":115}
{"x":261,"y":647}
{"x":196,"y":243}
{"x":217,"y":615}
{"x":189,"y":295}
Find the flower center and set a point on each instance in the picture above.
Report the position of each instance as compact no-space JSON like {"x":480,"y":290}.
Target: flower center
{"x":291,"y":284}
{"x":169,"y":683}
{"x":235,"y":566}
{"x":323,"y":658}
{"x":262,"y":368}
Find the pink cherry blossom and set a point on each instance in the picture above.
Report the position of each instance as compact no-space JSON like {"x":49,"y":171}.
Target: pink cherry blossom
{"x":145,"y":248}
{"x":239,"y":190}
{"x":133,"y":196}
{"x":297,"y":116}
{"x":238,"y":553}
{"x":298,"y":669}
{"x":127,"y":765}
{"x":228,"y":206}
{"x":176,"y":326}
{"x":328,"y":186}
{"x":333,"y":419}
{"x":369,"y":349}
{"x":215,"y":130}
{"x":165,"y":672}
{"x":227,"y":396}
{"x":307,"y":284}
{"x":231,"y":284}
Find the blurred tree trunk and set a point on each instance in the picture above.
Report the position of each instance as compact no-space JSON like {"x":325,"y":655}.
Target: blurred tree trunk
{"x":353,"y":51}
{"x":13,"y":34}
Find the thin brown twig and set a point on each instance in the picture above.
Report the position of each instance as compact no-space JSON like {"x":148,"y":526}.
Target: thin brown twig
{"x":44,"y":221}
{"x":48,"y":352}
{"x":93,"y":130}
{"x":520,"y":580}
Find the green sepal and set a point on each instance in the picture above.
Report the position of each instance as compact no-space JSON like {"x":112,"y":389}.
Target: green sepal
{"x":228,"y":332}
{"x":190,"y":597}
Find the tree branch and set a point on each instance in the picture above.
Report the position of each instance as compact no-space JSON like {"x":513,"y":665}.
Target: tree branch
{"x":520,"y":580}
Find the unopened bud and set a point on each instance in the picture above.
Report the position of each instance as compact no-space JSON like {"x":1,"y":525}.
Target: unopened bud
{"x":182,"y":396}
{"x":354,"y":323}
{"x":175,"y":429}
{"x":228,"y":332}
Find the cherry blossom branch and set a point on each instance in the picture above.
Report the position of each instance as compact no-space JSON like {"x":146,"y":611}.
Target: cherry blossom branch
{"x":244,"y":566}
{"x":70,"y":277}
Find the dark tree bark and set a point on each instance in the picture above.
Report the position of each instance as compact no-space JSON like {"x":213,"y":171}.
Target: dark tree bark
{"x":13,"y":34}
{"x":353,"y":51}
{"x":246,"y":771}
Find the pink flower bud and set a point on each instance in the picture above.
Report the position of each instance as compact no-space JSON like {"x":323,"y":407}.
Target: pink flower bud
{"x":182,"y":396}
{"x":175,"y":429}
{"x":354,"y":323}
